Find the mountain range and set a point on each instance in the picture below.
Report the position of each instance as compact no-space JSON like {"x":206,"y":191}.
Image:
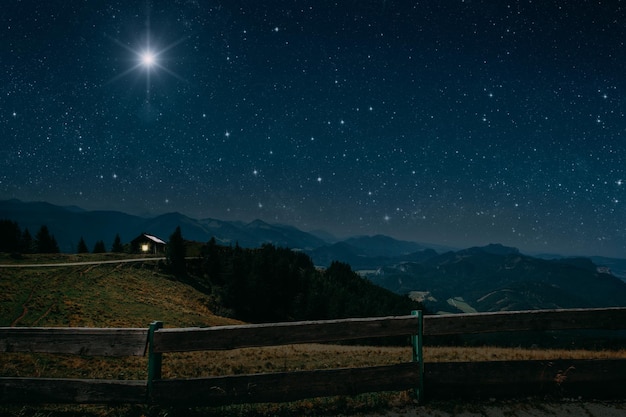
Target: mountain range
{"x":497,"y":278}
{"x":69,"y":224}
{"x":489,"y":278}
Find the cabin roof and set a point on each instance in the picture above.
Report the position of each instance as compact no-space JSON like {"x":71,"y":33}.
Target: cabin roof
{"x":154,"y":239}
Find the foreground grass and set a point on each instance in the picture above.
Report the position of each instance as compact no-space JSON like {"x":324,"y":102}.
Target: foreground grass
{"x":257,"y":360}
{"x":268,"y":359}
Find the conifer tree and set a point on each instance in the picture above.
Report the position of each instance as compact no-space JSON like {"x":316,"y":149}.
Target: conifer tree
{"x":176,"y":252}
{"x":117,"y":244}
{"x":45,"y":242}
{"x":26,"y":242}
{"x":82,"y":246}
{"x":99,"y":247}
{"x":10,"y":234}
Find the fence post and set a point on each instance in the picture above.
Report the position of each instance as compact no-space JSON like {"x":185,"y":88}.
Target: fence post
{"x":155,"y":360}
{"x":418,"y":356}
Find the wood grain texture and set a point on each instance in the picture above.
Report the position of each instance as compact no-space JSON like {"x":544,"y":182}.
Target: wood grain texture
{"x":65,"y":391}
{"x":274,"y":334}
{"x":511,"y":321}
{"x":287,"y":386}
{"x":77,"y":341}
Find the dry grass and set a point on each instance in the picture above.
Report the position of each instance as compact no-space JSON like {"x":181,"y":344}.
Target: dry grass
{"x":490,"y":353}
{"x":258,"y":360}
{"x":116,"y":295}
{"x":268,"y":359}
{"x":317,"y":356}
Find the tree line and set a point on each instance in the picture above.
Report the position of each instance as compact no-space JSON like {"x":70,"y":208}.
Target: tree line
{"x":270,"y":284}
{"x":15,"y":240}
{"x":266,"y":284}
{"x":100,"y":247}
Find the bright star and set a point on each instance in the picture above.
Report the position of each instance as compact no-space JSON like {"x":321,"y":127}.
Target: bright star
{"x":148,"y":59}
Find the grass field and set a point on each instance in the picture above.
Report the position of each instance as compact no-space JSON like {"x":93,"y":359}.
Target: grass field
{"x":133,"y":295}
{"x":108,"y":295}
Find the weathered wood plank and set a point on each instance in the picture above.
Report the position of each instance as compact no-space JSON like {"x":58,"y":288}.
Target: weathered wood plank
{"x":77,"y":341}
{"x":65,"y":391}
{"x":287,"y":386}
{"x":605,"y":318}
{"x":509,"y":379}
{"x":274,"y":334}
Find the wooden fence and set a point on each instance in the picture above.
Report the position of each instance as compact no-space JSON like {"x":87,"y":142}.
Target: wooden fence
{"x":271,"y":387}
{"x":591,"y":378}
{"x":437,"y":380}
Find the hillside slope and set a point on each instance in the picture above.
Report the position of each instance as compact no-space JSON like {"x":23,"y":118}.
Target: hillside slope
{"x":108,"y":295}
{"x":496,"y":278}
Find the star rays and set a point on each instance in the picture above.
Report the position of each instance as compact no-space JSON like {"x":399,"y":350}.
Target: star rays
{"x":149,"y":60}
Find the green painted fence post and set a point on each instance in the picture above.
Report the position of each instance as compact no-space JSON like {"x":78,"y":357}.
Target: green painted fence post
{"x":418,"y":356}
{"x":155,"y":360}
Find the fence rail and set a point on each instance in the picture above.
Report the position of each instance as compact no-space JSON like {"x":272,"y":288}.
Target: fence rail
{"x":156,"y":340}
{"x":533,"y":320}
{"x":275,"y":334}
{"x":572,"y":377}
{"x":286,"y":386}
{"x":74,"y":341}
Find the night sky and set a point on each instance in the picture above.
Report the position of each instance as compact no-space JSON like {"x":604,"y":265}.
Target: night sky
{"x":453,"y":122}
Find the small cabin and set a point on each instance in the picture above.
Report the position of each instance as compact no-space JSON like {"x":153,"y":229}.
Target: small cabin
{"x":148,"y":244}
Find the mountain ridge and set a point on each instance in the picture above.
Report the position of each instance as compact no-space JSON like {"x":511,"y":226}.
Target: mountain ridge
{"x":69,"y":224}
{"x":488,"y":278}
{"x":483,"y":279}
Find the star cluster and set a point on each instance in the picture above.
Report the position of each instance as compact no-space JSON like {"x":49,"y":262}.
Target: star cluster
{"x":456,"y":122}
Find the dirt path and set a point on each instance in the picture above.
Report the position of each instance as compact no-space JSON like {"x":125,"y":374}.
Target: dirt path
{"x":24,"y":308}
{"x":79,"y":263}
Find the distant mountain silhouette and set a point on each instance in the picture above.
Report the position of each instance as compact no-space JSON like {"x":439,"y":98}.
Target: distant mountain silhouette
{"x":495,"y":278}
{"x":370,"y":257}
{"x":488,"y":278}
{"x":380,"y":245}
{"x":68,"y":225}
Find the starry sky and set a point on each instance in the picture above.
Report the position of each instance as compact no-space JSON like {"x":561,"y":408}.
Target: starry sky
{"x":453,"y":122}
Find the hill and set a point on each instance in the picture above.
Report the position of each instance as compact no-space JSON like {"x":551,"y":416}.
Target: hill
{"x":106,"y":295}
{"x":496,"y":278}
{"x":266,"y":284}
{"x":270,"y":284}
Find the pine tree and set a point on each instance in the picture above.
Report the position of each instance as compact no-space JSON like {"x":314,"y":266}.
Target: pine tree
{"x":82,"y":246}
{"x":10,"y":234}
{"x":176,"y":252}
{"x":99,"y":247}
{"x":45,"y":242}
{"x":117,"y":244}
{"x":26,"y":242}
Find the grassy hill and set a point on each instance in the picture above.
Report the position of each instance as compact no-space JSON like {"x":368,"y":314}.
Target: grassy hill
{"x":106,"y":295}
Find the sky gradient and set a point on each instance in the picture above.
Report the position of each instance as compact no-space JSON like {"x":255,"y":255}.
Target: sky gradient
{"x":453,"y":122}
